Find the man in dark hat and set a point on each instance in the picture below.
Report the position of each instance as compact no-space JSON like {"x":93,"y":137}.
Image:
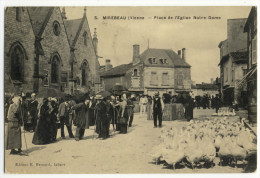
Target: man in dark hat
{"x":92,"y":105}
{"x":33,"y":104}
{"x":217,"y":103}
{"x":102,"y":119}
{"x":82,"y":118}
{"x":158,"y":106}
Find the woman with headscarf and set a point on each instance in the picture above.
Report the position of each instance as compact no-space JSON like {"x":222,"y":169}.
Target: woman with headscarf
{"x":42,"y":131}
{"x":14,"y":140}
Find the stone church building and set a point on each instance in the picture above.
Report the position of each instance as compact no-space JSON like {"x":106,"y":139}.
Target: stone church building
{"x":43,"y":49}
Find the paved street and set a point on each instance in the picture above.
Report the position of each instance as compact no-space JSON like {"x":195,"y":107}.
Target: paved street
{"x":121,"y":153}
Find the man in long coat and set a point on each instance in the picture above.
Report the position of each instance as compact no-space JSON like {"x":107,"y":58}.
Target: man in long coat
{"x":32,"y":109}
{"x":14,"y":140}
{"x":157,"y":106}
{"x":92,"y":105}
{"x":110,"y":114}
{"x":102,"y":117}
{"x":189,"y":106}
{"x":82,"y":118}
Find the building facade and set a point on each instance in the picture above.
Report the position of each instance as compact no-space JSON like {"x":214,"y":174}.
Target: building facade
{"x":38,"y":52}
{"x":251,"y":77}
{"x":84,"y":53}
{"x":233,"y":62}
{"x":204,"y":89}
{"x":154,"y":70}
{"x":19,"y":51}
{"x":49,"y":29}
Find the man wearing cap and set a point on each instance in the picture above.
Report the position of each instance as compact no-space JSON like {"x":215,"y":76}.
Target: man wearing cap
{"x":63,"y":115}
{"x":33,"y":110}
{"x":158,"y":106}
{"x":82,"y":118}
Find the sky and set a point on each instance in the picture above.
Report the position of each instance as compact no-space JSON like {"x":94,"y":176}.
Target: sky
{"x":200,"y":37}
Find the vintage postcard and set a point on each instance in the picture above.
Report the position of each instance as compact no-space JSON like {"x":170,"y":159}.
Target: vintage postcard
{"x":130,"y":89}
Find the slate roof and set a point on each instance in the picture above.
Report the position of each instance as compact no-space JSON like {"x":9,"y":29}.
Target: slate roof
{"x":39,"y":18}
{"x":73,"y":27}
{"x":238,"y":57}
{"x":117,"y":71}
{"x":173,"y":59}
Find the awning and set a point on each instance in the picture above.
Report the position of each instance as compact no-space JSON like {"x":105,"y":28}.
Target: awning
{"x":248,"y":75}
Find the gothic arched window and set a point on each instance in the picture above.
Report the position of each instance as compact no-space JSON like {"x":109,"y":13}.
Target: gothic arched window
{"x":55,"y":66}
{"x":84,"y":74}
{"x":17,"y":59}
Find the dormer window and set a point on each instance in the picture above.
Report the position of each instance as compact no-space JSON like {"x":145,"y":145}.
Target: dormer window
{"x":135,"y":72}
{"x":163,"y":61}
{"x":152,"y":60}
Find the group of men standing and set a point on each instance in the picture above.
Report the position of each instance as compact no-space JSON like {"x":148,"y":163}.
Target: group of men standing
{"x":44,"y":116}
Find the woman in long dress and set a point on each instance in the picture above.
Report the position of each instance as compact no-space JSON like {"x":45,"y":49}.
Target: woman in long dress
{"x":42,"y":132}
{"x":14,"y":140}
{"x":52,"y":120}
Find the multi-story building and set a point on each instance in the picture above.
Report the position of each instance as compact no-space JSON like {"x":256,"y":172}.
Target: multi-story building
{"x":251,"y":77}
{"x":39,"y":53}
{"x":233,"y":62}
{"x":155,"y":70}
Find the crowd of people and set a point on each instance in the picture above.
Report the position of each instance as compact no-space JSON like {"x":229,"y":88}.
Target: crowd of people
{"x":44,"y":116}
{"x":207,"y":102}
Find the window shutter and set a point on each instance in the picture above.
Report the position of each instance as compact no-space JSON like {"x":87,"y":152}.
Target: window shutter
{"x":254,"y":52}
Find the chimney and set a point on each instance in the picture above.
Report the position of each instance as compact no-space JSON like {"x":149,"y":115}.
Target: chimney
{"x":136,"y":54}
{"x":63,"y":13}
{"x":108,"y":65}
{"x":179,"y":53}
{"x":184,"y":54}
{"x":95,"y":41}
{"x":211,"y":81}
